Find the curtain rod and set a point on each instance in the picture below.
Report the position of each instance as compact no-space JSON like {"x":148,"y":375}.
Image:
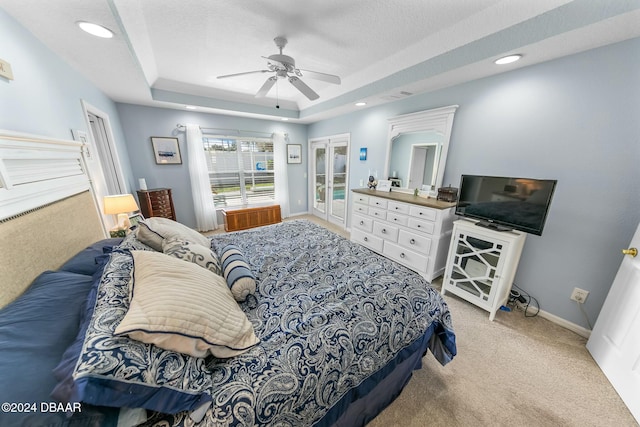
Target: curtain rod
{"x":237,"y":131}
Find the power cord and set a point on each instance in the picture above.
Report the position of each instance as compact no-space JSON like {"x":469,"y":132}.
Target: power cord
{"x":522,"y":301}
{"x":584,"y":313}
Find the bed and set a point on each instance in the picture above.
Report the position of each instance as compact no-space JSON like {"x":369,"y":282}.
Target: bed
{"x":329,"y":333}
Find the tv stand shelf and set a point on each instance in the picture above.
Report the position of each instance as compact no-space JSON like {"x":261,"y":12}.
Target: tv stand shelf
{"x":482,"y":264}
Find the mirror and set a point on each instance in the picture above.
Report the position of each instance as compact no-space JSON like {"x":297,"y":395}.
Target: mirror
{"x":418,"y":146}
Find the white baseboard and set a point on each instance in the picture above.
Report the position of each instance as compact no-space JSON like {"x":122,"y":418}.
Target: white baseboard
{"x":298,"y":214}
{"x":584,"y":332}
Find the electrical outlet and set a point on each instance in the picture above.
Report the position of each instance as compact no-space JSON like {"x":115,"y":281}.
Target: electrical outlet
{"x":579,"y":295}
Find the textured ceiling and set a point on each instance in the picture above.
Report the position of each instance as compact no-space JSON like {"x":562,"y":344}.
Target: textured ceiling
{"x":169,"y":52}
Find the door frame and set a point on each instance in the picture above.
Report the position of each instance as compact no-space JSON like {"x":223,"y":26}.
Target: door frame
{"x":330,"y":142}
{"x":96,"y":171}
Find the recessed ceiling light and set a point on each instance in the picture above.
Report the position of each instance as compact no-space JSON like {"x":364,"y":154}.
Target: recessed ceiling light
{"x":95,"y":29}
{"x":508,"y":59}
{"x":189,"y":107}
{"x":360,"y":104}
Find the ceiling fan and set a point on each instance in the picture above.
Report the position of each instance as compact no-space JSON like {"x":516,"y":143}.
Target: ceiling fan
{"x":283,"y":66}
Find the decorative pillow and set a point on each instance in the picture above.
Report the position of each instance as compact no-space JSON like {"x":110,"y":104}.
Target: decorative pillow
{"x":101,"y":369}
{"x":153,"y":230}
{"x":182,"y":307}
{"x":192,"y":252}
{"x":237,"y":273}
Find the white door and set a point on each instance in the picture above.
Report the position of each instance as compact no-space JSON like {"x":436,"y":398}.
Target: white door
{"x":615,"y":339}
{"x":319,"y":181}
{"x":330,"y":166}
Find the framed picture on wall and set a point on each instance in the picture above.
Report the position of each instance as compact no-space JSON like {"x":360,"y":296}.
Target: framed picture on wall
{"x":294,"y":153}
{"x":166,"y":150}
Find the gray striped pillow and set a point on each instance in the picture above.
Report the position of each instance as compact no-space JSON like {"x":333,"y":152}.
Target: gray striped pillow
{"x":237,"y":273}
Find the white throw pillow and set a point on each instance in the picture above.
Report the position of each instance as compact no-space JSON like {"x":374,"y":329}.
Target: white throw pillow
{"x":183,"y":307}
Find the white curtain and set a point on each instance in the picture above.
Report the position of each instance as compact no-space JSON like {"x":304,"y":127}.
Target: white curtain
{"x":280,"y":175}
{"x":200,"y":186}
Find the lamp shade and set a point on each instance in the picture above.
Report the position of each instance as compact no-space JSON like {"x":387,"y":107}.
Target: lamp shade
{"x":120,"y":203}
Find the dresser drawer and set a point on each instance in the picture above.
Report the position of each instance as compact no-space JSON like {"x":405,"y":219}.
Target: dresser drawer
{"x":363,"y":223}
{"x":160,"y":196}
{"x":407,"y":257}
{"x":423,"y":213}
{"x":386,"y":231}
{"x":359,"y":198}
{"x":363,"y":209}
{"x":160,"y":203}
{"x":366,"y":239}
{"x":396,"y":207}
{"x":377,"y":213}
{"x":378,"y":203}
{"x":419,"y":225}
{"x":420,"y":244}
{"x":397,"y":219}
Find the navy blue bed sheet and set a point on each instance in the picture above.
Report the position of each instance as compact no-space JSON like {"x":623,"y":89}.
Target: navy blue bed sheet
{"x":35,"y":330}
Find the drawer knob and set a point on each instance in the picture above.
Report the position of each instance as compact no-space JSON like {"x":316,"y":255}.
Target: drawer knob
{"x":402,"y":255}
{"x":361,"y":222}
{"x":384,"y":230}
{"x":395,"y":219}
{"x":412,"y":241}
{"x":365,"y":239}
{"x":420,"y":213}
{"x":419,"y":226}
{"x":396,"y":208}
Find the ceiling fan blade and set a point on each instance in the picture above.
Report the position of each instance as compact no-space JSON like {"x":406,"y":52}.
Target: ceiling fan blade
{"x":266,"y":87}
{"x":302,"y":87}
{"x":244,"y":74}
{"x":329,"y":78}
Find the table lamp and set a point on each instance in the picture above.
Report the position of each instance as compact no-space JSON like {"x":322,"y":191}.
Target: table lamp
{"x":120,"y":205}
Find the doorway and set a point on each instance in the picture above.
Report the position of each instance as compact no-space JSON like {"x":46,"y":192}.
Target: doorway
{"x":103,"y":167}
{"x":422,"y":170}
{"x":329,"y":170}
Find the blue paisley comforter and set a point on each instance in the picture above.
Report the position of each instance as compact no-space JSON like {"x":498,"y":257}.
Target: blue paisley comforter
{"x":329,"y":314}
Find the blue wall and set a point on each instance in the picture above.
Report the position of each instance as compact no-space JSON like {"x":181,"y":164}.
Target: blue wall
{"x":575,"y":119}
{"x":44,"y":97}
{"x":140,"y":123}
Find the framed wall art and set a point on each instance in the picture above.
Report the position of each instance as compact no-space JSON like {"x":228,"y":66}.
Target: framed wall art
{"x":294,"y":153}
{"x":166,"y":150}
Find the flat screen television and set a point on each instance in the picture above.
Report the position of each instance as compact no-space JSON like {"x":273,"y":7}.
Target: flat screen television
{"x":506,"y":203}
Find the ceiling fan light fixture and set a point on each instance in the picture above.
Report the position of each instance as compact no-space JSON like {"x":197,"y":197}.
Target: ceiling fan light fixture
{"x":507,"y":59}
{"x":95,"y":29}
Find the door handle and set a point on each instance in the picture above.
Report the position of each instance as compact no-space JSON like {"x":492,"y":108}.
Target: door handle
{"x":631,"y":251}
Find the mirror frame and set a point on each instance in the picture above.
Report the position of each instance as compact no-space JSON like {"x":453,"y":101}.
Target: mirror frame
{"x":437,"y":120}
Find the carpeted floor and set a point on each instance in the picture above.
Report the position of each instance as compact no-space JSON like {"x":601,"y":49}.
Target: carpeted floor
{"x":514,"y":371}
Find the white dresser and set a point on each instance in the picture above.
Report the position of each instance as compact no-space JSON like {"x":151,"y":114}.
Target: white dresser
{"x":411,"y":230}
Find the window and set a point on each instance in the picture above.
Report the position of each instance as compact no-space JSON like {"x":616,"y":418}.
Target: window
{"x":240,"y":170}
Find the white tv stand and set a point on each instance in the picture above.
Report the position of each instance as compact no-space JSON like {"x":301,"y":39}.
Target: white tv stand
{"x":482,"y":264}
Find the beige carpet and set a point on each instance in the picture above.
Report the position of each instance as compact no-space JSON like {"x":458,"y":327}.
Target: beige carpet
{"x":514,"y":371}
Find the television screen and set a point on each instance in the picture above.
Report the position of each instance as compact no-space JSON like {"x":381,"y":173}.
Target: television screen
{"x":506,"y":203}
